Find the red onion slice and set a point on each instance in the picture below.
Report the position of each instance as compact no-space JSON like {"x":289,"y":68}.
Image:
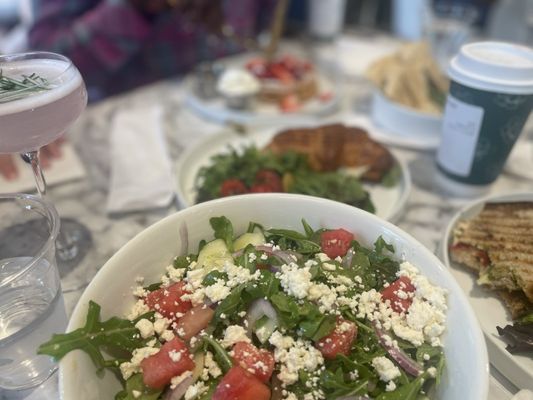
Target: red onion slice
{"x":179,"y":391}
{"x":184,"y":240}
{"x":401,"y":357}
{"x":285,"y":256}
{"x":257,"y":310}
{"x":347,"y":261}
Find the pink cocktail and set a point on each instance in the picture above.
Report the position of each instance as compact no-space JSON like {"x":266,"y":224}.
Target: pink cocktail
{"x":41,"y":95}
{"x":32,"y":119}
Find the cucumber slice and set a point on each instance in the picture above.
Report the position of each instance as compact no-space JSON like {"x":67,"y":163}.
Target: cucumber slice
{"x":214,"y":255}
{"x":264,"y":328}
{"x":255,"y":238}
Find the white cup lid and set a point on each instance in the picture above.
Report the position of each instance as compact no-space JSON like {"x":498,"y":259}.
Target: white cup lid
{"x":494,"y":66}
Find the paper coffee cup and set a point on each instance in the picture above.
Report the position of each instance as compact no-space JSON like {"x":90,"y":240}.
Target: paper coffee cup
{"x":489,"y":101}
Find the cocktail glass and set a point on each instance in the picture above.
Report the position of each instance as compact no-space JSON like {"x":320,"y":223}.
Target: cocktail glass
{"x":41,"y":95}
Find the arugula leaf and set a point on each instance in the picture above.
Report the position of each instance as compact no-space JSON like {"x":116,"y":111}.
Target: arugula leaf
{"x":115,"y":333}
{"x":380,"y":244}
{"x":212,"y":385}
{"x":232,"y":304}
{"x":212,"y":277}
{"x":244,"y":164}
{"x":289,"y":239}
{"x":266,"y":286}
{"x":253,"y":226}
{"x":318,"y":326}
{"x":221,"y":355}
{"x":183,"y":261}
{"x":336,"y":385}
{"x":135,"y":384}
{"x":392,"y":176}
{"x":223,"y":230}
{"x":409,"y":391}
{"x":287,"y":309}
{"x":332,"y":185}
{"x":309,"y":232}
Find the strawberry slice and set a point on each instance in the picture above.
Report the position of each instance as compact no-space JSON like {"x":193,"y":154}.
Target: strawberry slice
{"x":290,"y":103}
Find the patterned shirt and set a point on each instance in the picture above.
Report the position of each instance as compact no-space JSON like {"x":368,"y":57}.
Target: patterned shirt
{"x":116,"y":47}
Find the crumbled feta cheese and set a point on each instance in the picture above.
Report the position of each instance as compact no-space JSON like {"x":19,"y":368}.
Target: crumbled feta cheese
{"x":167,"y":335}
{"x":210,"y":367}
{"x":328,"y":266}
{"x":293,"y":356}
{"x":234,"y":334}
{"x":195,"y":390}
{"x":175,"y":381}
{"x":385,"y":368}
{"x":138,"y":309}
{"x":295,"y":280}
{"x":390,"y":387}
{"x":145,"y":327}
{"x":134,"y":365}
{"x":174,"y":355}
{"x":324,"y":295}
{"x":161,"y":324}
{"x":217,"y":291}
{"x":322,"y":257}
{"x":139,"y":291}
{"x":175,"y":274}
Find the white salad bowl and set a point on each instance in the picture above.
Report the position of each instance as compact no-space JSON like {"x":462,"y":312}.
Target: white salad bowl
{"x":467,"y":370}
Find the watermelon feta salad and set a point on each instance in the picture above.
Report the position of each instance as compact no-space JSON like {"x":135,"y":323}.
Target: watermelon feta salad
{"x":274,"y":314}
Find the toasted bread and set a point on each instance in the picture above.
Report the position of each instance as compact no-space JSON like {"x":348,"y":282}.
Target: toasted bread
{"x":330,"y":147}
{"x":516,"y":302}
{"x":498,"y":243}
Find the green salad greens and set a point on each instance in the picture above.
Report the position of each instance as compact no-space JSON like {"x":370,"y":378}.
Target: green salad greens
{"x":294,"y":174}
{"x":273,"y":314}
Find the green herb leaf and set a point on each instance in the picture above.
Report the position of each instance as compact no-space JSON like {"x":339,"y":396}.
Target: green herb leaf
{"x":134,"y":386}
{"x":223,"y":230}
{"x":116,"y":333}
{"x":14,"y":89}
{"x":221,"y":355}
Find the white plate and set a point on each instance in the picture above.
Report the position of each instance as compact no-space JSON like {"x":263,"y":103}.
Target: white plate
{"x":263,"y":113}
{"x":389,"y":202}
{"x":382,"y":135}
{"x":490,"y":311}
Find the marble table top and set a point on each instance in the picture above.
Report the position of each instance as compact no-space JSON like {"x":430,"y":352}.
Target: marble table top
{"x":425,"y":217}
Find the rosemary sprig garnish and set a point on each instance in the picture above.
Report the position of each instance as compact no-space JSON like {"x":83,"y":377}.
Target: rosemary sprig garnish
{"x":14,"y":89}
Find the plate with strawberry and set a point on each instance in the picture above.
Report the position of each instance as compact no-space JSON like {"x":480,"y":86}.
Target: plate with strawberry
{"x":288,"y":87}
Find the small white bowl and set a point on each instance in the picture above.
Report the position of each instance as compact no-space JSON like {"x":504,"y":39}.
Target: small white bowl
{"x":404,"y":121}
{"x":467,"y":370}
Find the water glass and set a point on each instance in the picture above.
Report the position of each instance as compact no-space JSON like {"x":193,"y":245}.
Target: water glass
{"x":447,"y":25}
{"x":31,"y":301}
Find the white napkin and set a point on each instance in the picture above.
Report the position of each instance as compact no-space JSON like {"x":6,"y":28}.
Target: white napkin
{"x":64,"y":169}
{"x":141,"y":175}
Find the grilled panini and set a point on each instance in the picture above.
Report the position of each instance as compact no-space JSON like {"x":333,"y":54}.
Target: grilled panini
{"x":498,"y":244}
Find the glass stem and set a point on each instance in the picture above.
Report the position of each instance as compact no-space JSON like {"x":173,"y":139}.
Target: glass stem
{"x":66,"y":244}
{"x":32,"y":158}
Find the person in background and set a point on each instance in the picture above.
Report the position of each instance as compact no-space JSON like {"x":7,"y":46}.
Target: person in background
{"x":119,"y":45}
